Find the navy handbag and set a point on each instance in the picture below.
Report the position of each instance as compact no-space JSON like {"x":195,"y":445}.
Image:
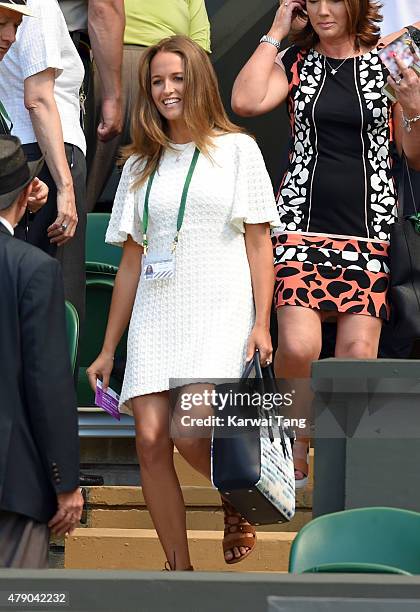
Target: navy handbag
{"x":252,"y":466}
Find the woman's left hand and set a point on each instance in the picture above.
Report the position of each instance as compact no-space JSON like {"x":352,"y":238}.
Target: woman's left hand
{"x":64,"y":227}
{"x":407,"y":89}
{"x":39,"y":195}
{"x":260,"y":339}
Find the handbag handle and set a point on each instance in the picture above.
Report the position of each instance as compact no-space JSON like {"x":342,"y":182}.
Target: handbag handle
{"x":402,"y":191}
{"x":254,"y":363}
{"x":411,"y":185}
{"x":261,"y":372}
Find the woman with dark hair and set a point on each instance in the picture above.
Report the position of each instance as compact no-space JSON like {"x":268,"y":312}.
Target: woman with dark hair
{"x":192,"y":211}
{"x":337,"y":198}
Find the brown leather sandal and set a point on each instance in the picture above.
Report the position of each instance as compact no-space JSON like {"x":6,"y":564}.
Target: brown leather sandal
{"x":238,"y":533}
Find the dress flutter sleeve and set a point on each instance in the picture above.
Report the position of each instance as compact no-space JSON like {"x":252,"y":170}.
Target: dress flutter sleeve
{"x":125,"y":218}
{"x":254,"y":200}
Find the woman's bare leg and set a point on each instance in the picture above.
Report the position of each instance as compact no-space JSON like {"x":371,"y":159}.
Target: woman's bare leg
{"x":194,"y":442}
{"x":197,"y":450}
{"x":161,"y":488}
{"x":299,"y":344}
{"x":299,"y":341}
{"x":357,"y":336}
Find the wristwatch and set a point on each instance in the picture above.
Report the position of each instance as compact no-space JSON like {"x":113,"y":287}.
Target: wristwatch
{"x":407,"y":122}
{"x":273,"y":41}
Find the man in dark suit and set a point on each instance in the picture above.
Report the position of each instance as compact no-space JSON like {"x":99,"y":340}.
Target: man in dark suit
{"x":39,"y":447}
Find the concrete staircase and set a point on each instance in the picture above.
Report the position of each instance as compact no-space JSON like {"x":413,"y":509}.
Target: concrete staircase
{"x":119,"y":533}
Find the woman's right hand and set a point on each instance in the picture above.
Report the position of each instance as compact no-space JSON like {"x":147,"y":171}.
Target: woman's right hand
{"x":285,"y":16}
{"x":101,"y":368}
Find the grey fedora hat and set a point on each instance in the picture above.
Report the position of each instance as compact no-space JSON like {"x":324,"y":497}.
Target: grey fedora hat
{"x":15,"y":170}
{"x":16,"y":5}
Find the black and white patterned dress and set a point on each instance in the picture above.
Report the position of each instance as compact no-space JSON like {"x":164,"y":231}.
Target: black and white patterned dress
{"x":337,"y":199}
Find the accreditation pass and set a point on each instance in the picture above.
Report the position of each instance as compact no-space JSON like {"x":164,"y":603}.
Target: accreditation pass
{"x":32,"y":599}
{"x":159,"y":269}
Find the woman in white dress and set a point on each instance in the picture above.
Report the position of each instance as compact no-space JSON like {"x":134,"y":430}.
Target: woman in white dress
{"x":193,"y":213}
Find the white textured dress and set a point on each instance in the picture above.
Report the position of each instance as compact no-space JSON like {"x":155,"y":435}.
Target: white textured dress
{"x":196,"y":324}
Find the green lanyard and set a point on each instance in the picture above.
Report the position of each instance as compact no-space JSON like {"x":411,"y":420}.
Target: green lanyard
{"x":181,"y":211}
{"x":5,"y":119}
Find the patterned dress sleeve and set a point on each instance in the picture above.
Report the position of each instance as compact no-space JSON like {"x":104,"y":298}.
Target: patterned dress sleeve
{"x":288,"y":60}
{"x":253,"y":197}
{"x":291,"y":61}
{"x":125,"y":218}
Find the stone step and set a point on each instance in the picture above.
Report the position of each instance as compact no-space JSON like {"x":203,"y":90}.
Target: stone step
{"x":198,"y":518}
{"x":140,"y":549}
{"x":116,"y":460}
{"x":125,"y":508}
{"x":207,"y":496}
{"x":188,"y":476}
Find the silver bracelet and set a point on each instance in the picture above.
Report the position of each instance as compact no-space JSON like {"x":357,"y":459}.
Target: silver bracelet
{"x":273,"y":41}
{"x":407,"y":122}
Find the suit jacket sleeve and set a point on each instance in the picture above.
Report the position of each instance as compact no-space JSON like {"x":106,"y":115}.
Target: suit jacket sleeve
{"x":48,"y":383}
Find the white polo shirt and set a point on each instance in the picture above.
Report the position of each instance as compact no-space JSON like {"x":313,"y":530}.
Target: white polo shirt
{"x":398,"y":14}
{"x":43,"y":42}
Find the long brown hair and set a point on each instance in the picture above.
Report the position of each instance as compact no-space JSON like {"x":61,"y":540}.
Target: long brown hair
{"x":203,"y":109}
{"x":364,"y":15}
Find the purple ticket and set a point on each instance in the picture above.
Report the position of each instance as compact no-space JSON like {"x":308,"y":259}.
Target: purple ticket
{"x":107,"y":400}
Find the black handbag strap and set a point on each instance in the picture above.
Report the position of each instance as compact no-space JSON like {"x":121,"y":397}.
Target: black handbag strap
{"x":411,"y":185}
{"x":260,"y":372}
{"x":254,"y":364}
{"x":406,"y":178}
{"x":414,"y":33}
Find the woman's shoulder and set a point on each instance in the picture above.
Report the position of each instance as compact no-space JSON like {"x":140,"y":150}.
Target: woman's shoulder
{"x":235,"y":140}
{"x":240,"y":149}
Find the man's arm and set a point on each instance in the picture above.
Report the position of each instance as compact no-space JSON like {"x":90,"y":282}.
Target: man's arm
{"x":47,"y":376}
{"x":106,"y":19}
{"x":42,"y":106}
{"x":51,"y":401}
